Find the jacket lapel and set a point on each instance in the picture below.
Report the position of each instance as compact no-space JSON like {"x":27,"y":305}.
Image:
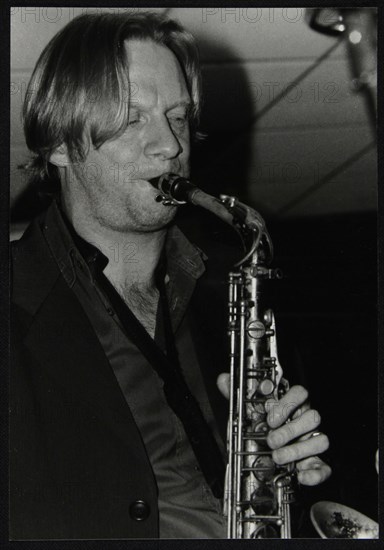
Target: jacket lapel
{"x":62,"y":340}
{"x":60,"y":336}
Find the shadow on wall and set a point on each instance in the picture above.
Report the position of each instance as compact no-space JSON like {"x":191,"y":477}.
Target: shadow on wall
{"x":220,"y":161}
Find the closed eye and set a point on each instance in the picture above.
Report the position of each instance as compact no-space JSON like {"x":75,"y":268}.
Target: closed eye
{"x":134,"y":120}
{"x":135,"y":116}
{"x":179,"y":121}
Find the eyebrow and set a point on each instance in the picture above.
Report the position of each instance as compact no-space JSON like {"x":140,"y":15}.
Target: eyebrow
{"x":184,"y":103}
{"x":187,"y":103}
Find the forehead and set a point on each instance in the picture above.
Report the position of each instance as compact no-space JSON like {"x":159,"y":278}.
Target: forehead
{"x":154,"y":72}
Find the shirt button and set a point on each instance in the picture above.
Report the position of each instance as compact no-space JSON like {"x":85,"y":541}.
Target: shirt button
{"x":139,"y":510}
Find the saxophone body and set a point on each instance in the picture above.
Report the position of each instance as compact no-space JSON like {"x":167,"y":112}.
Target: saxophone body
{"x":258,"y":493}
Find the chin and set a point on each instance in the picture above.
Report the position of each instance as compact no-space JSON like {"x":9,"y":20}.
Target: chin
{"x":153,"y":219}
{"x":163,"y":218}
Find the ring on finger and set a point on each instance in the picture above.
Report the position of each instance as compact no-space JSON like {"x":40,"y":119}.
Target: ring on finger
{"x":310,"y":436}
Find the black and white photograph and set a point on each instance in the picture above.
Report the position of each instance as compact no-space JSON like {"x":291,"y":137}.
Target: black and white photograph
{"x":193,"y":212}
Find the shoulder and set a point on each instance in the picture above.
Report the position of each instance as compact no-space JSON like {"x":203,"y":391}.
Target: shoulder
{"x":33,"y":270}
{"x":26,"y":244}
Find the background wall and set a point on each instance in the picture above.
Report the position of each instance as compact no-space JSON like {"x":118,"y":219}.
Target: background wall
{"x":308,"y":164}
{"x":271,"y":151}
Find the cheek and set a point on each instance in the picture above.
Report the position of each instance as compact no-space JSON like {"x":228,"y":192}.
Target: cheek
{"x":124,"y":174}
{"x":115,"y":171}
{"x":186,"y":146}
{"x":186,"y":141}
{"x":123,"y":159}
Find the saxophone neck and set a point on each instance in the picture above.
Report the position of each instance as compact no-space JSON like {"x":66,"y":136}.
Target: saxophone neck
{"x":251,"y":226}
{"x":177,"y":190}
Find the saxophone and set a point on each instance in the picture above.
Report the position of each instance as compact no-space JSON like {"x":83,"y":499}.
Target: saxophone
{"x":258,"y":493}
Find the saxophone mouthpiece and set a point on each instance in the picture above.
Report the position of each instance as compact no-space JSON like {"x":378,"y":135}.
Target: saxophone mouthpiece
{"x":160,"y":197}
{"x":174,"y":189}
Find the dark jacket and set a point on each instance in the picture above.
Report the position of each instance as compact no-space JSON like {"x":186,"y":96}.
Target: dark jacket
{"x":78,"y":466}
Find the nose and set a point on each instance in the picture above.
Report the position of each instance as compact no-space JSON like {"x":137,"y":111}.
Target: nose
{"x":162,"y":142}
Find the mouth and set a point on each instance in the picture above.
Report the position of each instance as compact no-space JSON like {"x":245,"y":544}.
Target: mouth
{"x":174,"y":190}
{"x":160,"y":197}
{"x":154,"y":181}
{"x":157,"y":193}
{"x":157,"y":179}
{"x":150,"y":183}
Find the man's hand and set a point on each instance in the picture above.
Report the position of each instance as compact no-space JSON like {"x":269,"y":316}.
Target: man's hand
{"x":297,"y":440}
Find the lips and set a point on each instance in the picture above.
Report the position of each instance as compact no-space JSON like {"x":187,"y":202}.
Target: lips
{"x":155,"y":180}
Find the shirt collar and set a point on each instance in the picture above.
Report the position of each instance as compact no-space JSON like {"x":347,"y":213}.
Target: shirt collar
{"x":93,"y":257}
{"x":184,"y":254}
{"x":72,"y":252}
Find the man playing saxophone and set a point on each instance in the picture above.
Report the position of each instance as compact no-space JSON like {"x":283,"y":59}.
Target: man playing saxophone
{"x":116,"y":418}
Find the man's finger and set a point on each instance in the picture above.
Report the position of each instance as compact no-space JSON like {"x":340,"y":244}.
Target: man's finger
{"x":300,"y":450}
{"x":223,"y":383}
{"x":298,"y":412}
{"x":312,"y":471}
{"x":307,"y":422}
{"x":280,"y":411}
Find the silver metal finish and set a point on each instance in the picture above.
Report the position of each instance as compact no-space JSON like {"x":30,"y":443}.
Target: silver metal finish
{"x":258,"y":493}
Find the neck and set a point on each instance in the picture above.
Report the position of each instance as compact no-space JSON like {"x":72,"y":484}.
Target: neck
{"x":133,"y":256}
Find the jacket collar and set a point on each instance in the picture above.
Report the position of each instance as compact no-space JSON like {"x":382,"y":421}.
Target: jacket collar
{"x":71,"y":251}
{"x":48,"y":249}
{"x":42,"y":290}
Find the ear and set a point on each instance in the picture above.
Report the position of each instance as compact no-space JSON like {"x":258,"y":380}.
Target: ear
{"x":60,"y":156}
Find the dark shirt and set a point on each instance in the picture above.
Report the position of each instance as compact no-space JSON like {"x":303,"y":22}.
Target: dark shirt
{"x":187,"y":508}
